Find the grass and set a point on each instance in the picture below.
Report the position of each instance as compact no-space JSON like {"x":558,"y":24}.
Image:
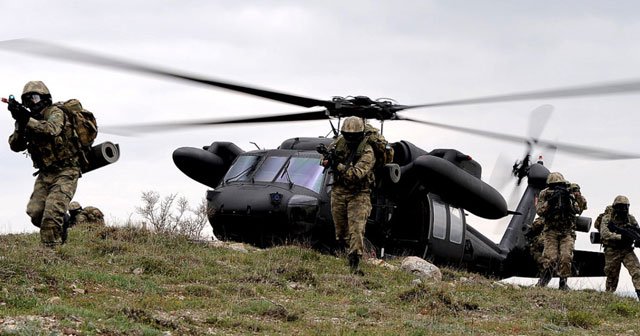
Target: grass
{"x":126,"y":281}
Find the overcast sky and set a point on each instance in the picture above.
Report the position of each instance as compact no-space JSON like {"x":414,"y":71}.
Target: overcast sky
{"x":412,"y":51}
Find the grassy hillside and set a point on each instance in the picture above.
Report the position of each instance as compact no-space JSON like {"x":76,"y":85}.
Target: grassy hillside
{"x":117,"y":281}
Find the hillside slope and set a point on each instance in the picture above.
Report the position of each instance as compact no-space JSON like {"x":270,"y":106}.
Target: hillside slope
{"x":126,"y":281}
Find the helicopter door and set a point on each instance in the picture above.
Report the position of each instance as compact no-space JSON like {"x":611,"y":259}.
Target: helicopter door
{"x":446,"y":231}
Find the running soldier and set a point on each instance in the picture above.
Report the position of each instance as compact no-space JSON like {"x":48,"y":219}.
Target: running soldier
{"x":353,"y":176}
{"x":558,"y":208}
{"x":41,"y":130}
{"x":618,"y":246}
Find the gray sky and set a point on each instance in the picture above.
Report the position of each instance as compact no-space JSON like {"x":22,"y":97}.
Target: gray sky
{"x":412,"y":51}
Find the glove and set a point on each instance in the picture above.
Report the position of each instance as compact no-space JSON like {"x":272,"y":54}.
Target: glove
{"x":18,"y":112}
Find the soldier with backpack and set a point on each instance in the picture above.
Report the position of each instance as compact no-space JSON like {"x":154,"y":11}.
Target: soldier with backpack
{"x":558,"y":207}
{"x":353,"y":164}
{"x":615,"y":228}
{"x":49,"y":134}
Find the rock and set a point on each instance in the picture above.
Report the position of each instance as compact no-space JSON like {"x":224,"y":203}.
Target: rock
{"x":381,"y":263}
{"x":239,"y":247}
{"x":54,"y":300}
{"x":422,"y":268}
{"x":138,"y":271}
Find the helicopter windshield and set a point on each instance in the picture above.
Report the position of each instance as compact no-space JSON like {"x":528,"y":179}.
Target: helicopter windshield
{"x":302,"y":171}
{"x":241,"y":169}
{"x":270,"y":168}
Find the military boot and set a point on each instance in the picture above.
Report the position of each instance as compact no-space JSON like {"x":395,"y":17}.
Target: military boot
{"x":563,"y":284}
{"x":354,"y":262}
{"x":50,"y":237}
{"x":65,"y":228}
{"x":545,"y":277}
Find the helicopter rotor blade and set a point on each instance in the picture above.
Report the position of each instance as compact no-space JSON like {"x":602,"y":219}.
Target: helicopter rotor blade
{"x":619,"y":87}
{"x":165,"y":126}
{"x":538,"y":120}
{"x":51,"y":50}
{"x":591,"y":152}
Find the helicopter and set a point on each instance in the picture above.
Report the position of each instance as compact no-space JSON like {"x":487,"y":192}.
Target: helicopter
{"x":420,"y":202}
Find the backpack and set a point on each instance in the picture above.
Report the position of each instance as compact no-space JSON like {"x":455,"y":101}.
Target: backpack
{"x":381,"y":149}
{"x":84,"y":125}
{"x":598,"y":222}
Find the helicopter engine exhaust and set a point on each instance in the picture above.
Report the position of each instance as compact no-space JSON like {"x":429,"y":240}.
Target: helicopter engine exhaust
{"x":102,"y":155}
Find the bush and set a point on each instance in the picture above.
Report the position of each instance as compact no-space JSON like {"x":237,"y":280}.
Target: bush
{"x":171,"y":216}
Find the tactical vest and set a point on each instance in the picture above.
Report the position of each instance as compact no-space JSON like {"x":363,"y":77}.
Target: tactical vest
{"x":349,"y":159}
{"x":52,"y":152}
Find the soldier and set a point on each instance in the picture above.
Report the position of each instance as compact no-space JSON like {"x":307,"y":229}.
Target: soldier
{"x":582,"y":202}
{"x":558,"y":208}
{"x":41,"y":129}
{"x":535,"y":241}
{"x":353,"y":177}
{"x":618,"y":249}
{"x":88,"y":215}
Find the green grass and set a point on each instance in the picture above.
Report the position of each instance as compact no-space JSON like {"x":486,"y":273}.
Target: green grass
{"x":126,"y":281}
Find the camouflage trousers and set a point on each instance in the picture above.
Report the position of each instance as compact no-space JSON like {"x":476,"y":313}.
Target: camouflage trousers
{"x":52,"y":192}
{"x":558,"y":251}
{"x":536,"y":248}
{"x":614,"y":258}
{"x":350,"y":211}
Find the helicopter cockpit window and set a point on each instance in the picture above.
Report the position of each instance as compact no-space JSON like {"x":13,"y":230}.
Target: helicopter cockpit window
{"x":270,"y":168}
{"x":241,"y":168}
{"x":439,"y":219}
{"x":303,"y":171}
{"x":456,"y":230}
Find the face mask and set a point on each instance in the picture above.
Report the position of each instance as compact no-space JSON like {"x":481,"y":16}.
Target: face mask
{"x":30,"y":100}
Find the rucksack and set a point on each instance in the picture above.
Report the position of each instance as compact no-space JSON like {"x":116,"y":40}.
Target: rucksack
{"x":598,"y":222}
{"x":381,"y":149}
{"x":84,"y":125}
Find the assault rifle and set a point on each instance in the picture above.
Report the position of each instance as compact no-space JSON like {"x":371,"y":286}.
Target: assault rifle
{"x":15,"y":106}
{"x":328,"y":154}
{"x":630,"y":233}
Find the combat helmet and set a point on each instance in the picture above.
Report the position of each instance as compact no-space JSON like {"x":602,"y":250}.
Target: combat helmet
{"x":555,"y":178}
{"x":621,"y":200}
{"x":36,"y":96}
{"x":353,"y":129}
{"x":74,"y":206}
{"x":37,"y":87}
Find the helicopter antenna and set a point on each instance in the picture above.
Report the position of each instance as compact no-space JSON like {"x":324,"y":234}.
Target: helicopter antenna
{"x":333,"y":129}
{"x":255,"y":144}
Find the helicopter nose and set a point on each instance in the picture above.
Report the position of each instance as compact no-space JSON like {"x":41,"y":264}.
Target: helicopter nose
{"x":260,"y":215}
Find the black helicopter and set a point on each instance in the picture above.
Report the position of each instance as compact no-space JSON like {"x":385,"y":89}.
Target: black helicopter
{"x":420,"y":201}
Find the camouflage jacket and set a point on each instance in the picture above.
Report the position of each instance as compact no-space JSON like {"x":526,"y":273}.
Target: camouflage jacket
{"x":90,"y":215}
{"x":555,"y":219}
{"x":582,"y":202}
{"x":354,"y":170}
{"x":613,"y":239}
{"x":45,"y":139}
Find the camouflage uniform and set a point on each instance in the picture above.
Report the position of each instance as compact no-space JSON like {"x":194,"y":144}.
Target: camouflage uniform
{"x":351,"y":193}
{"x":618,"y":250}
{"x":85,"y":216}
{"x":535,"y":241}
{"x":44,"y":136}
{"x":559,"y":232}
{"x":582,"y":202}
